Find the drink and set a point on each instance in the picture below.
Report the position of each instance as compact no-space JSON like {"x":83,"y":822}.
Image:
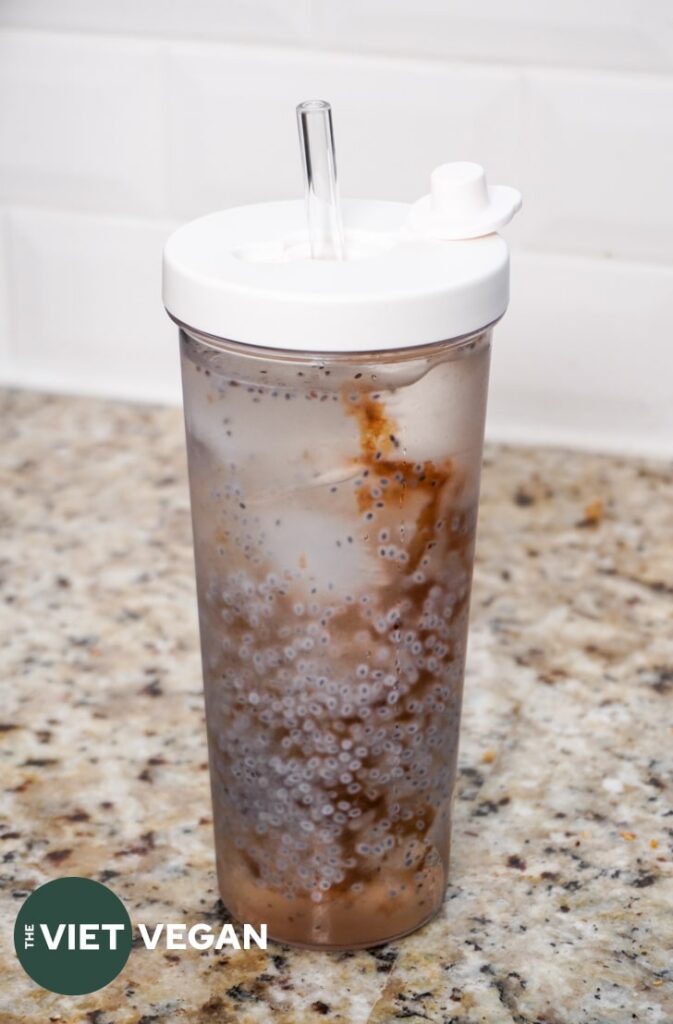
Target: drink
{"x":334,"y":456}
{"x":334,"y":544}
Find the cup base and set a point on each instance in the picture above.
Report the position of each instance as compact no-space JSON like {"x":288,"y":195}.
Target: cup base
{"x":348,"y":922}
{"x":355,"y":946}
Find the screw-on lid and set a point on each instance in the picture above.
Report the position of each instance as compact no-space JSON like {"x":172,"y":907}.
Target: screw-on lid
{"x":245,"y":274}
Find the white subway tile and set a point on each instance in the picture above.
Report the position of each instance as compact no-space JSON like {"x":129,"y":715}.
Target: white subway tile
{"x":628,"y":34}
{"x":81,"y":123}
{"x":596,"y":165}
{"x":583,"y":356}
{"x":86,"y":306}
{"x":256,"y":20}
{"x":233,"y":134}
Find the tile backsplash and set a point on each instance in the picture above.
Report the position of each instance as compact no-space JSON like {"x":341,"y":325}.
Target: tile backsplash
{"x":119,"y":121}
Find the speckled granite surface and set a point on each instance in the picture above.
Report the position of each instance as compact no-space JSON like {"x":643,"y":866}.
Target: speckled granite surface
{"x":561,"y":904}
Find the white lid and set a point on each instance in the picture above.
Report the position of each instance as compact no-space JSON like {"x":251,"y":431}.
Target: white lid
{"x":245,"y":274}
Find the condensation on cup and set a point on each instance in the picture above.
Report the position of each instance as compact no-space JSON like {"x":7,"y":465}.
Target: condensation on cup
{"x":335,"y":367}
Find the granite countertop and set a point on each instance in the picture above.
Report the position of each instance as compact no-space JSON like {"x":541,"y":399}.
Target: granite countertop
{"x":560,"y":908}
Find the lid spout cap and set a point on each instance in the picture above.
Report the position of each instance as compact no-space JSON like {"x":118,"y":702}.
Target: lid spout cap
{"x":462,"y":205}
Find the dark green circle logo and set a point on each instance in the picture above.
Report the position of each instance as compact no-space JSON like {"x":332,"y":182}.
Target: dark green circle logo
{"x":73,"y":936}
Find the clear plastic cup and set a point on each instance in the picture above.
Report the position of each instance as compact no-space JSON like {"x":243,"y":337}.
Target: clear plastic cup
{"x":334,"y":502}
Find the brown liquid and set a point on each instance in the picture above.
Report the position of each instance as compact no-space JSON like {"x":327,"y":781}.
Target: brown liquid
{"x":333,"y":716}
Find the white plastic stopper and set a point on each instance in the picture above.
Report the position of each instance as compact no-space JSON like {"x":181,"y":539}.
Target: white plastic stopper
{"x":462,"y":205}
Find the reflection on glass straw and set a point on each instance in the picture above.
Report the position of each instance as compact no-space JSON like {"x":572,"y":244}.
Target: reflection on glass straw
{"x":316,"y":136}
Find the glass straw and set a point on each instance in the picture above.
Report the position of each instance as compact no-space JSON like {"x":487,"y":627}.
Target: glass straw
{"x":316,"y":137}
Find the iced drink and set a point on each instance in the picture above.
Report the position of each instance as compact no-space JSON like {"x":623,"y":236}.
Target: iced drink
{"x":334,"y":503}
{"x":335,"y":367}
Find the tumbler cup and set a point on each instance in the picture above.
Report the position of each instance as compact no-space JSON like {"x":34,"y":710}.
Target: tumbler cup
{"x":334,"y":414}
